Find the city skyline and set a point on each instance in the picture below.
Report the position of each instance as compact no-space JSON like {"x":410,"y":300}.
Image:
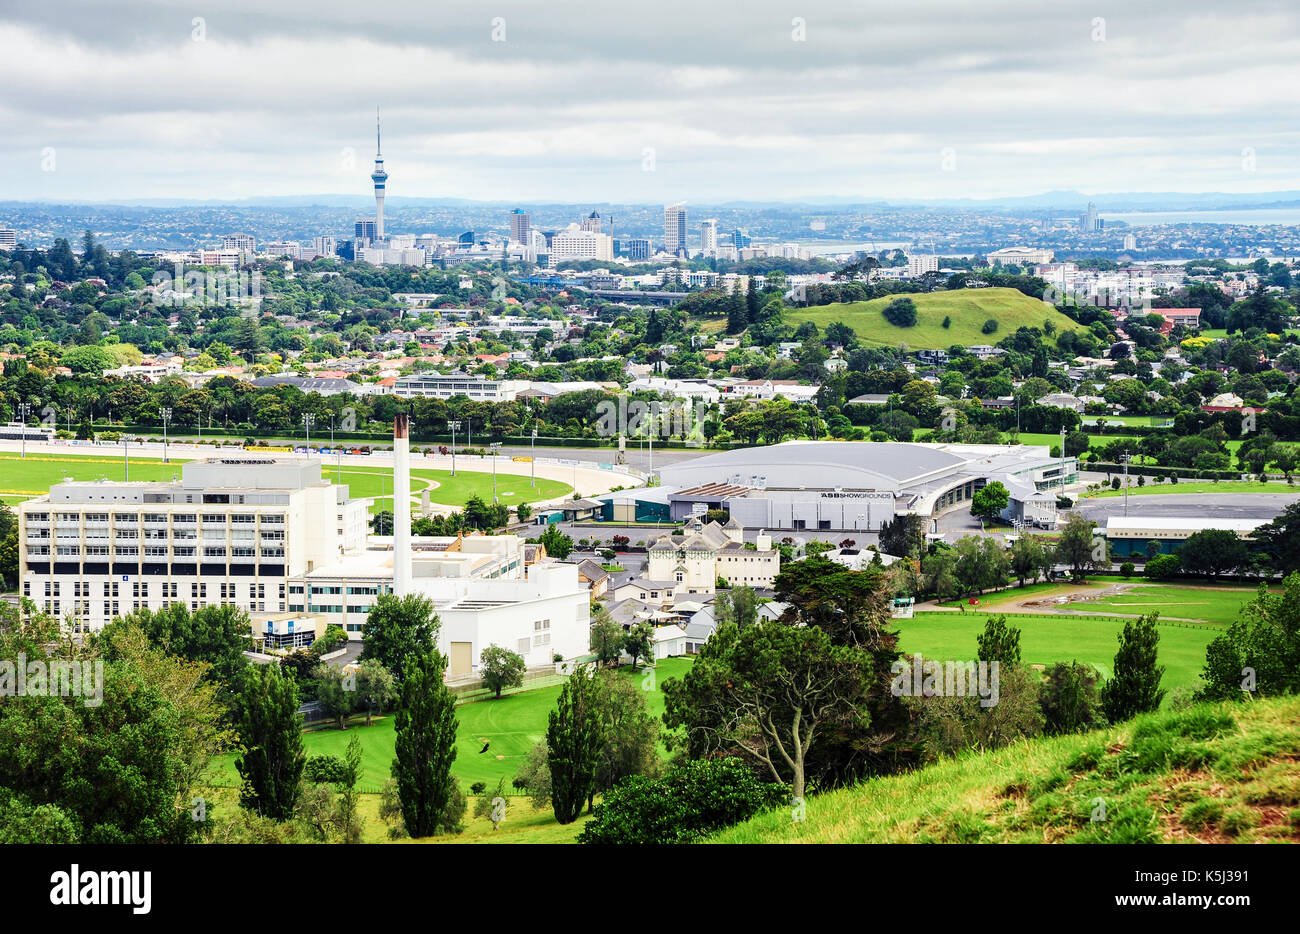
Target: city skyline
{"x":813,"y":103}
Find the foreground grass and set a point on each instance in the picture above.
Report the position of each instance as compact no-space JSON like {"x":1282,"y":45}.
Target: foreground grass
{"x":1211,"y":773}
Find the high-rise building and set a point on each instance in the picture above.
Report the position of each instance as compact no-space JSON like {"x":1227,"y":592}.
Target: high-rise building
{"x":575,"y":244}
{"x":592,"y":223}
{"x":1089,"y":221}
{"x":1130,"y":242}
{"x":675,"y":227}
{"x":634,"y":249}
{"x":323,"y":246}
{"x":520,"y":223}
{"x":380,"y":178}
{"x":709,"y":236}
{"x":244,"y":243}
{"x":466,"y":239}
{"x":921,"y":263}
{"x":366,"y":229}
{"x":8,"y":239}
{"x":740,"y":238}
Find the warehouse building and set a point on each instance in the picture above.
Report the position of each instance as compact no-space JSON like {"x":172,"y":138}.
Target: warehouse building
{"x":857,"y":486}
{"x":1130,"y":535}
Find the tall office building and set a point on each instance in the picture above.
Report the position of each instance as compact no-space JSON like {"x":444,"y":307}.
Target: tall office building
{"x":380,"y":178}
{"x":323,"y":246}
{"x":675,"y":227}
{"x":740,"y":238}
{"x":365,"y":229}
{"x":592,"y":223}
{"x":709,"y":236}
{"x":244,"y":243}
{"x":1089,"y":221}
{"x":8,"y":239}
{"x":520,"y":224}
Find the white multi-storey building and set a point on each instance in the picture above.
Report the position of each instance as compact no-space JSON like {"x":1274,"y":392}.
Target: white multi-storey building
{"x":444,"y":386}
{"x":575,"y":244}
{"x":230,"y":531}
{"x":709,"y":236}
{"x":693,"y":563}
{"x":919,"y":264}
{"x":674,"y":227}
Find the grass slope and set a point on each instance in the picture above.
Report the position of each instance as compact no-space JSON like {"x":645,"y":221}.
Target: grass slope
{"x":968,"y":308}
{"x":1211,"y":773}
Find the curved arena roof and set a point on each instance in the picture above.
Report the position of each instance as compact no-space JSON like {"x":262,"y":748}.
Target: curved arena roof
{"x":819,"y":465}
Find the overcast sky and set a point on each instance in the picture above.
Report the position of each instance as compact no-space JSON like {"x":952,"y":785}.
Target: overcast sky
{"x":648,"y":102}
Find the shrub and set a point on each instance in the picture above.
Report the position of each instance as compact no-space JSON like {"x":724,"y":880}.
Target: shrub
{"x":1068,"y":698}
{"x":692,"y":801}
{"x":326,"y":769}
{"x":990,"y":326}
{"x":1127,"y":568}
{"x":1163,"y":567}
{"x":947,"y":322}
{"x":901,"y":312}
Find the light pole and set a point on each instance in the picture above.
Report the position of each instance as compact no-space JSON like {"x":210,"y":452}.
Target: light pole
{"x":166,"y":413}
{"x":533,"y":458}
{"x":454,"y":426}
{"x":307,"y":421}
{"x":495,"y":446}
{"x":126,"y":459}
{"x":24,"y":413}
{"x":69,"y":419}
{"x":1126,"y":459}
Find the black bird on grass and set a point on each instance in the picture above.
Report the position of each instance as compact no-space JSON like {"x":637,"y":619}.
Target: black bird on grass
{"x":485,"y":747}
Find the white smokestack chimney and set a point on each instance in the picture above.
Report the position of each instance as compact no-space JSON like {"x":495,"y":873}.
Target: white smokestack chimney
{"x":401,"y":505}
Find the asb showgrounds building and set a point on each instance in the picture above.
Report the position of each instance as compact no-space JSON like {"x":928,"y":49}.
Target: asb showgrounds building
{"x":858,"y":486}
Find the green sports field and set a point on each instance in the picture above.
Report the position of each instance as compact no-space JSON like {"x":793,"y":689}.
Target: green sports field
{"x":22,"y":478}
{"x":1048,"y":638}
{"x":968,"y":309}
{"x":1202,"y":486}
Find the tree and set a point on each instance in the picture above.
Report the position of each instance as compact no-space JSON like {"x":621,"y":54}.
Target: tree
{"x":1259,"y":653}
{"x":265,"y":713}
{"x":218,"y":635}
{"x":694,"y":800}
{"x":1134,"y":687}
{"x":606,"y":639}
{"x":425,"y":748}
{"x":557,"y":544}
{"x":999,"y":642}
{"x":989,"y":501}
{"x":1212,"y":552}
{"x":632,"y":735}
{"x":1068,"y":697}
{"x":376,"y":688}
{"x":336,"y":692}
{"x":1027,"y":558}
{"x":982,"y":564}
{"x":575,"y":738}
{"x":901,"y":312}
{"x":397,"y":628}
{"x":777,"y":688}
{"x":903,"y":535}
{"x":739,"y":605}
{"x":501,"y":668}
{"x":638,"y":642}
{"x":1163,"y":567}
{"x":1279,"y":539}
{"x":1081,"y":548}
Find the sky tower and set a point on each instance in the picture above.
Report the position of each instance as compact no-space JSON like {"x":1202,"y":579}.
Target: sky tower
{"x":379,"y":177}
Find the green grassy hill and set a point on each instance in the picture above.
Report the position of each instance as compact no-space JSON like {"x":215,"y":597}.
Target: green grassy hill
{"x":968,"y":309}
{"x":1211,"y":773}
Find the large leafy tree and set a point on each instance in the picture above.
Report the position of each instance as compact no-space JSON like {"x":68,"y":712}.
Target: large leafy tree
{"x":1213,"y":552}
{"x":575,"y":739}
{"x":989,"y":501}
{"x":1134,"y":687}
{"x":606,"y":638}
{"x":398,"y":627}
{"x":771,"y":692}
{"x":425,"y":748}
{"x":1260,"y":652}
{"x":270,"y":729}
{"x":217,"y":635}
{"x":632,"y":735}
{"x":501,"y":668}
{"x":1280,"y":540}
{"x":1081,"y":548}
